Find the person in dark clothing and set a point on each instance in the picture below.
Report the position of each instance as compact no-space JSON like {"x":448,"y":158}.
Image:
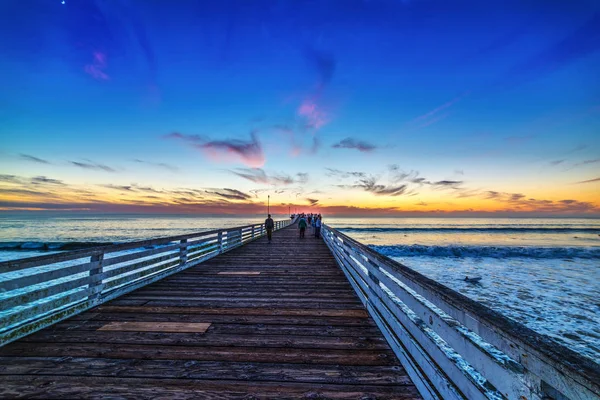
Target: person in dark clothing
{"x":302,"y":226}
{"x":269,"y":226}
{"x":318,"y":226}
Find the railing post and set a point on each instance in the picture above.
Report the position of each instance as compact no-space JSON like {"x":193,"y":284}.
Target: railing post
{"x":95,"y":273}
{"x":220,"y":241}
{"x":183,"y":252}
{"x":252,"y":231}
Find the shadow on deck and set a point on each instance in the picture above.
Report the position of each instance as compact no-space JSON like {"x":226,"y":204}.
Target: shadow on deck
{"x":275,"y":320}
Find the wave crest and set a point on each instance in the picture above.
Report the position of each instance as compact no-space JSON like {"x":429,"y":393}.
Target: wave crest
{"x":473,"y":229}
{"x":49,"y":246}
{"x":487,"y":251}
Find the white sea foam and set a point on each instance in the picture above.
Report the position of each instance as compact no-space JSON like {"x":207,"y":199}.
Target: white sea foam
{"x":489,"y":251}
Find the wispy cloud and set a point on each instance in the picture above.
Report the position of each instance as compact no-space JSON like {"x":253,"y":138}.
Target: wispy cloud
{"x":311,"y":111}
{"x":316,"y":144}
{"x":127,"y":188}
{"x":519,"y":202}
{"x":370,"y":185}
{"x":43,"y":180}
{"x":323,"y":63}
{"x":88,"y":164}
{"x":398,"y":175}
{"x":231,"y":194}
{"x":166,"y":166}
{"x":590,"y":180}
{"x":313,"y":202}
{"x":258,"y":175}
{"x":313,"y":114}
{"x":34,"y":159}
{"x":585,"y":162}
{"x":302,"y":178}
{"x":333,"y":172}
{"x":248,"y":152}
{"x":556,"y":162}
{"x":350,"y":143}
{"x":96,"y":68}
{"x":446,"y":184}
{"x":433,"y":116}
{"x":9,"y":178}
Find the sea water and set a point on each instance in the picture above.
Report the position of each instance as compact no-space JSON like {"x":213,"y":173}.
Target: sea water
{"x":544,"y":273}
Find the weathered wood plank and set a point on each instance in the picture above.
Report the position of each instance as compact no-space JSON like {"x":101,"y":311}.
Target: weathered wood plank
{"x":181,"y":389}
{"x":241,"y":354}
{"x":248,"y":329}
{"x":232,"y":311}
{"x":322,"y":374}
{"x":231,"y":338}
{"x":136,"y":326}
{"x":238,"y":273}
{"x":227,"y":318}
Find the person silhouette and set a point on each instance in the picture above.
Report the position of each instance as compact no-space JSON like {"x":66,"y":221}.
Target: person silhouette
{"x":269,"y":226}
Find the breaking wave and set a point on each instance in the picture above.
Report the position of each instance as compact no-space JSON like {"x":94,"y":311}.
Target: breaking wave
{"x":49,"y":246}
{"x":474,"y":229}
{"x":487,"y":251}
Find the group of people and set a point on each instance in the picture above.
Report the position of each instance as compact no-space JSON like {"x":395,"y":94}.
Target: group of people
{"x":310,"y":220}
{"x":305,"y":221}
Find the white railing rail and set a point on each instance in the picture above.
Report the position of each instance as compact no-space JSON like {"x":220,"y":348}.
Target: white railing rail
{"x":39,"y":291}
{"x":456,"y":348}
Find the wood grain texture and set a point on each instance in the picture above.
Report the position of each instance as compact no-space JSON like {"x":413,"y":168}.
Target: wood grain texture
{"x":284,"y":324}
{"x":238,"y":273}
{"x":132,"y":326}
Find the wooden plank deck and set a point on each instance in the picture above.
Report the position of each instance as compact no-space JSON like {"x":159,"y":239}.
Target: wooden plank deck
{"x":284,"y":323}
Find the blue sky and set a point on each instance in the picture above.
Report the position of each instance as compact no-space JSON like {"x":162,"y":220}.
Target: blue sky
{"x":402,"y":106}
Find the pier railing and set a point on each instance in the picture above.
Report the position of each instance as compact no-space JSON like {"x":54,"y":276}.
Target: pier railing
{"x":39,"y":291}
{"x":456,"y":348}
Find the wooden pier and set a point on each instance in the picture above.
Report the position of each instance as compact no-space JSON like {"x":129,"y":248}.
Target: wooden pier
{"x":223,"y":314}
{"x":264,"y":320}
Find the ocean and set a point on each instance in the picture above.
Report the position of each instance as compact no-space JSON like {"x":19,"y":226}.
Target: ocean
{"x":544,"y":273}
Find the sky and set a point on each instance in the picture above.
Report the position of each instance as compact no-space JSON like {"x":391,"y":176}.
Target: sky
{"x":346,"y":107}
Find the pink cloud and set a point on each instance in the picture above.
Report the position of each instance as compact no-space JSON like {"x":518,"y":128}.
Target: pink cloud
{"x":315,"y":116}
{"x":248,"y":152}
{"x":95,"y":69}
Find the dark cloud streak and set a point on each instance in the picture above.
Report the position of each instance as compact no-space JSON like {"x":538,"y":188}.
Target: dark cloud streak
{"x":93,"y":166}
{"x":350,"y":143}
{"x":34,"y":159}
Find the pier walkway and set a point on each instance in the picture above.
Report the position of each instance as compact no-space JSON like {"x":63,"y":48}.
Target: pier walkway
{"x":276,"y":320}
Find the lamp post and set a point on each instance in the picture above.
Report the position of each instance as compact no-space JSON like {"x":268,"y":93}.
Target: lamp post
{"x":268,"y":204}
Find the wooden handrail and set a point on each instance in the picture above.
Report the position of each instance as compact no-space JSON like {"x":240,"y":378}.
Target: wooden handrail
{"x":454,"y":346}
{"x":39,"y":291}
